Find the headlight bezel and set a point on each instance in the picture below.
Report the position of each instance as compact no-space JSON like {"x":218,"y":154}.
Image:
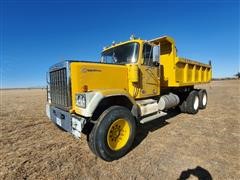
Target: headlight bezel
{"x":81,"y":100}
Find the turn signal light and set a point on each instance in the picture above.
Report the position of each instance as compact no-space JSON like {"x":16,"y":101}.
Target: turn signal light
{"x":85,"y":88}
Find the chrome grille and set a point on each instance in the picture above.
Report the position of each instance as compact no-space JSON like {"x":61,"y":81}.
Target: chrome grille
{"x":59,"y":88}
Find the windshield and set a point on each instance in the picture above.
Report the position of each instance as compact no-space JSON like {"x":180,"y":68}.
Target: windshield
{"x":126,"y":53}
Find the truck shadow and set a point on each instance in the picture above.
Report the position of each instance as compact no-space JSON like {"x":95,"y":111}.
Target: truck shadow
{"x":198,"y":172}
{"x":144,"y":129}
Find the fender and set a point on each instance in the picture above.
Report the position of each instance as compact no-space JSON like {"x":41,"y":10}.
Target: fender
{"x":93,"y":99}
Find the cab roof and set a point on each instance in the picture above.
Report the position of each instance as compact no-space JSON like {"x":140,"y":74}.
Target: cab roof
{"x":155,"y":41}
{"x":121,"y":43}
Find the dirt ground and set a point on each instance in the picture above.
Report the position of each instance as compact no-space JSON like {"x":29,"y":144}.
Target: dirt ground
{"x":205,"y":145}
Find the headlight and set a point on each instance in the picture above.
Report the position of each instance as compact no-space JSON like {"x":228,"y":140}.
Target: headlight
{"x":81,"y":100}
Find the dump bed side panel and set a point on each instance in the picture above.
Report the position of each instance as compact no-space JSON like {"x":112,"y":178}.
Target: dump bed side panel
{"x":191,"y":72}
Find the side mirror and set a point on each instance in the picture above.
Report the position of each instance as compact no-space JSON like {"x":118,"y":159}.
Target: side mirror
{"x":156,"y":55}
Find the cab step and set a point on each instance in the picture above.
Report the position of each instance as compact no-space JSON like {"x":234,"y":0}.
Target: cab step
{"x":152,"y":117}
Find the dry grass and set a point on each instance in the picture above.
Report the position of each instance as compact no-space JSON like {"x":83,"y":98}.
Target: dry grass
{"x":33,"y":147}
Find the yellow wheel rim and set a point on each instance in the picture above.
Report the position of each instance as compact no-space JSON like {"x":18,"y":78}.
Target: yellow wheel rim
{"x":118,"y":134}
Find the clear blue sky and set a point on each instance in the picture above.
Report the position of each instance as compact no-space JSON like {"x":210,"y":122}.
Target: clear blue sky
{"x":37,"y":34}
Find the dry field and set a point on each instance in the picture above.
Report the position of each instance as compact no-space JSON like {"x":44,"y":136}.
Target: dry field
{"x":206,"y":145}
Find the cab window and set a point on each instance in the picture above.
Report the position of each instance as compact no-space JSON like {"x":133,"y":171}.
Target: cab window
{"x":147,"y":55}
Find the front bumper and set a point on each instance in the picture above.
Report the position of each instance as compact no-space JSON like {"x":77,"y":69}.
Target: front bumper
{"x":67,"y":121}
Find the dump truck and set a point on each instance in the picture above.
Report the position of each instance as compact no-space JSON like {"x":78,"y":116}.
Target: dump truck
{"x":135,"y":82}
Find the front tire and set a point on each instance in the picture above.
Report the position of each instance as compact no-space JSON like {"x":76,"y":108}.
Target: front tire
{"x":113,"y":134}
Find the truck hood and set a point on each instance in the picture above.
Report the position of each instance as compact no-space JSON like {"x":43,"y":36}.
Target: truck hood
{"x":97,"y":76}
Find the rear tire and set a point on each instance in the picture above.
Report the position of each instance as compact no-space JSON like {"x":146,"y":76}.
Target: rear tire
{"x":113,"y":134}
{"x":203,"y":99}
{"x":192,"y":102}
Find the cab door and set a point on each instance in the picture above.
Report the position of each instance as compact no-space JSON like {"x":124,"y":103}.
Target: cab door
{"x":149,"y":73}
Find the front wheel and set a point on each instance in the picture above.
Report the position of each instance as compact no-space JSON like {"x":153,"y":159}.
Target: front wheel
{"x":113,"y":134}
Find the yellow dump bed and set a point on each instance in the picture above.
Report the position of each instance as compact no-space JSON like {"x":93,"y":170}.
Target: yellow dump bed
{"x":176,"y":71}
